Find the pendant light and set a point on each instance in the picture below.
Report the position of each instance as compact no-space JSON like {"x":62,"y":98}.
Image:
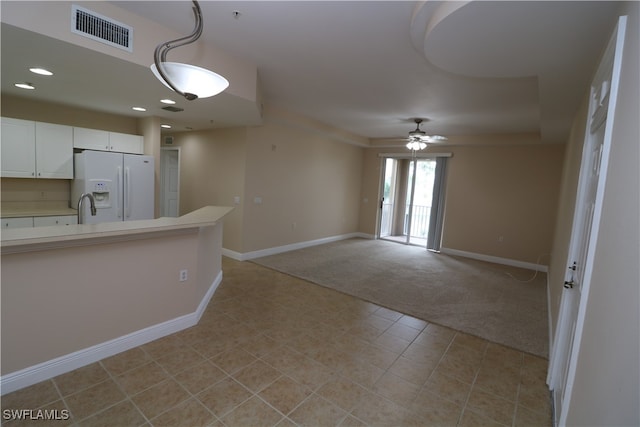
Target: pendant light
{"x":187,"y":80}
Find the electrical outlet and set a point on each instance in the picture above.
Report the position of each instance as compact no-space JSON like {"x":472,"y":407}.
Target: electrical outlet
{"x":183,"y":275}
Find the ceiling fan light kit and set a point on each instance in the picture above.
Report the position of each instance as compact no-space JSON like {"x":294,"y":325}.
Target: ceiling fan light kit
{"x":416,"y":145}
{"x":187,"y":80}
{"x":418,"y":138}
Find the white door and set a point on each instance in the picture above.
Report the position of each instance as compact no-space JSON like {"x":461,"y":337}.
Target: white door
{"x":170,"y":182}
{"x":585,"y":223}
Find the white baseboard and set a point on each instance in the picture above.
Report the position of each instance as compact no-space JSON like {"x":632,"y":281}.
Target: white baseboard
{"x":63,"y":364}
{"x":292,"y":247}
{"x":232,"y":254}
{"x":495,"y":259}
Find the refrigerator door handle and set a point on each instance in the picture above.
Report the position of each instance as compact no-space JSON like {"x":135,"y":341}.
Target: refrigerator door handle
{"x":119,"y":186}
{"x":127,"y":191}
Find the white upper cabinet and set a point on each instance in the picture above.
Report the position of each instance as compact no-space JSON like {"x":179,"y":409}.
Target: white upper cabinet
{"x":18,"y":148}
{"x":30,"y":149}
{"x":36,"y":150}
{"x":90,"y":139}
{"x":125,"y":143}
{"x":93,"y":139}
{"x":54,"y":151}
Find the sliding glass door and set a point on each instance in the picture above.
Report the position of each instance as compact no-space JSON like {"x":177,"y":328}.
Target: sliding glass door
{"x":418,"y":204}
{"x":411,"y":193}
{"x":387,"y":201}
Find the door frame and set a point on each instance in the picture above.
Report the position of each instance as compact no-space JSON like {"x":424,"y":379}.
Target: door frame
{"x":163,"y":150}
{"x":566,"y":345}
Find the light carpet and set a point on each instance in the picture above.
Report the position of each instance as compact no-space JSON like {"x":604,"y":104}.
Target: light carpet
{"x":495,"y":302}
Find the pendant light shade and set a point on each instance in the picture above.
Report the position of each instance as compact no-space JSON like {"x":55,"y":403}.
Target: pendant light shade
{"x":188,"y":80}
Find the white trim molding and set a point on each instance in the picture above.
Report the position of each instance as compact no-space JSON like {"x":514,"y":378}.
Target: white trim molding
{"x":292,"y":247}
{"x":496,"y":260}
{"x":63,"y":364}
{"x":420,"y":155}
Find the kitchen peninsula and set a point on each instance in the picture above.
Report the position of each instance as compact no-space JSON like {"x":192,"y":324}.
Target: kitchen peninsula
{"x":72,"y":295}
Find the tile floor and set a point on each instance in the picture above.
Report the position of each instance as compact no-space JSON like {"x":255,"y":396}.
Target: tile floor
{"x":272,"y":350}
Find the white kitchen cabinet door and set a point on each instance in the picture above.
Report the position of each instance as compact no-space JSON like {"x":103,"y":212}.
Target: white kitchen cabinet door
{"x":54,"y":151}
{"x":18,"y":148}
{"x":21,"y":222}
{"x":125,"y":143}
{"x":46,"y":221}
{"x":91,"y":139}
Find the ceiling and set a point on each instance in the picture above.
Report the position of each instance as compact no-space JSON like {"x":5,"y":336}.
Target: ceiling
{"x":366,"y":67}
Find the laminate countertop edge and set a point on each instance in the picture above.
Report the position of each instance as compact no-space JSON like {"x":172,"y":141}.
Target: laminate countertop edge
{"x":40,"y":238}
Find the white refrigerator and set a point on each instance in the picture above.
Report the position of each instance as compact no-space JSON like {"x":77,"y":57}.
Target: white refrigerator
{"x":121,"y":184}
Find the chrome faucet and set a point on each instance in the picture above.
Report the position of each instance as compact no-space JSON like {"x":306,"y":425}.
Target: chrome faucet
{"x":92,"y":202}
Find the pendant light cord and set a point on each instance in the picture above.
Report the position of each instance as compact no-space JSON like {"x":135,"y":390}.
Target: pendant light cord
{"x":160,"y":54}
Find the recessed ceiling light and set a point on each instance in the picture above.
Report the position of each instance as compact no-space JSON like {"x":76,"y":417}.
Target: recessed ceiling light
{"x":41,"y":71}
{"x":25,"y":85}
{"x":168,"y":101}
{"x":165,"y":126}
{"x":139,"y":109}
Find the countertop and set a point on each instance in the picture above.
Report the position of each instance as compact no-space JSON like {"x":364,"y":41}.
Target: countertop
{"x":38,"y":238}
{"x":26,"y":209}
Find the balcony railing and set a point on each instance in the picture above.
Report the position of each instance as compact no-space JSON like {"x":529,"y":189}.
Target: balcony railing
{"x":419,"y":220}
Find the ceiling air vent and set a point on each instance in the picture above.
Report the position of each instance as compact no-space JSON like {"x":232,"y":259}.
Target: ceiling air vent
{"x":173,"y":109}
{"x":100,"y":28}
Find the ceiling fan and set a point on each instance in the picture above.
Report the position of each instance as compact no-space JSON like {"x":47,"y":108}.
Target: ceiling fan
{"x":418,"y":139}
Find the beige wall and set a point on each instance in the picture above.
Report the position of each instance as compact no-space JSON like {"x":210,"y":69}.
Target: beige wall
{"x":26,"y":109}
{"x":34,"y":190}
{"x":491,"y":191}
{"x":212,"y":172}
{"x":607,"y":385}
{"x":149,"y":127}
{"x":56,"y":302}
{"x":308,"y":183}
{"x":503,"y":191}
